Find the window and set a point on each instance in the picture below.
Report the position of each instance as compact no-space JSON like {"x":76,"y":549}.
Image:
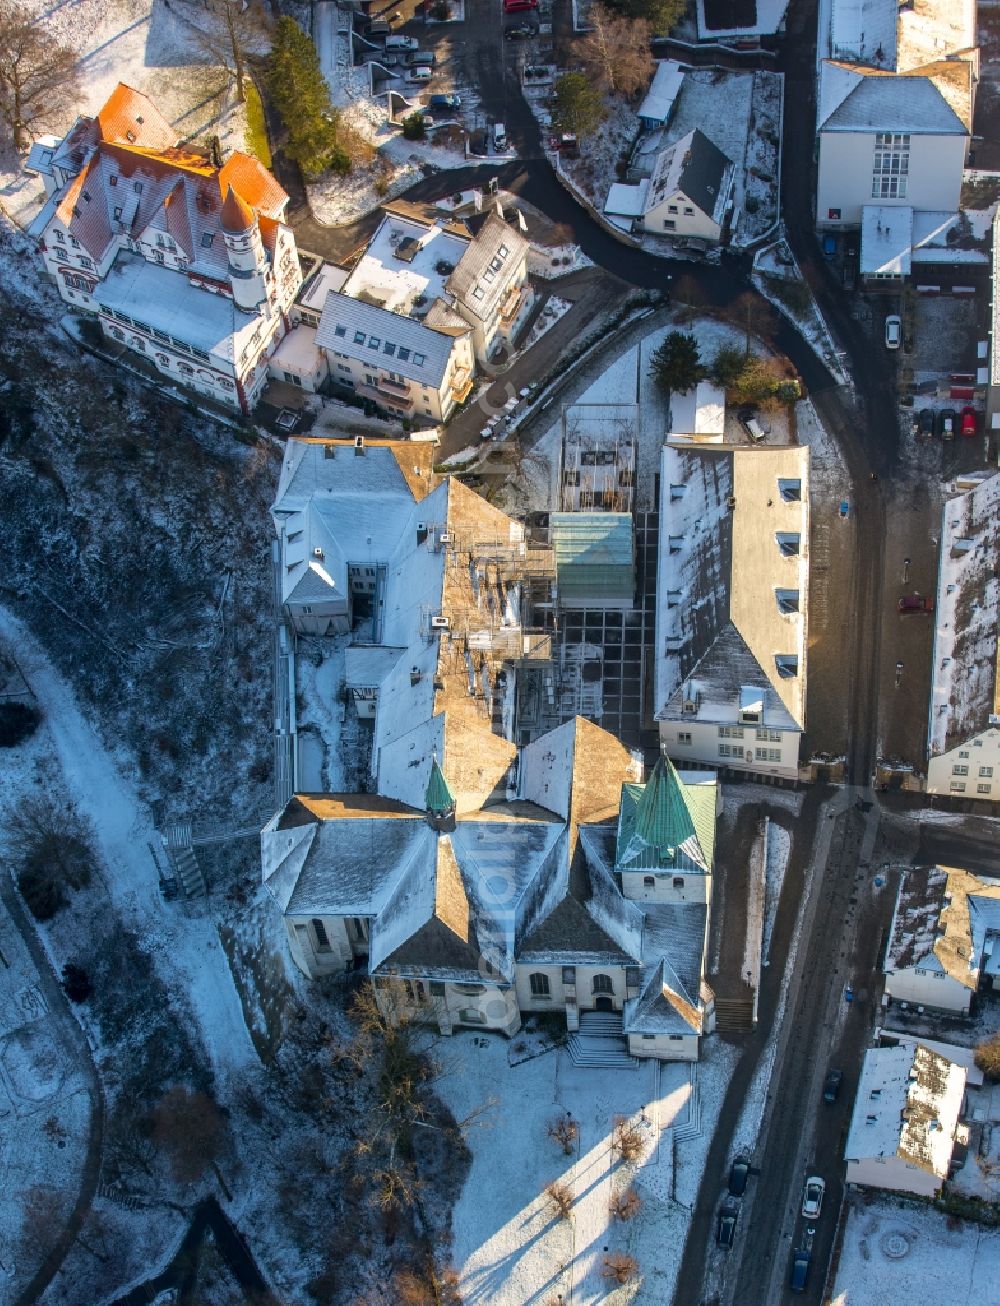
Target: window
{"x":648,"y":1038}
{"x":960,"y":769}
{"x":788,"y":544}
{"x":986,"y":770}
{"x":787,"y":665}
{"x":790,"y":490}
{"x":649,"y":881}
{"x":569,"y":974}
{"x":678,"y":881}
{"x":684,"y":736}
{"x":479,"y":293}
{"x":503,"y":251}
{"x":419,"y":360}
{"x":322,"y":938}
{"x":137,"y":187}
{"x":340,"y":331}
{"x":359,"y":337}
{"x":388,"y":349}
{"x":676,"y":1038}
{"x":671,"y":208}
{"x":489,"y":275}
{"x":374,"y":342}
{"x":730,"y":732}
{"x":787,"y":600}
{"x":770,"y":736}
{"x":964,"y":752}
{"x":669,"y":224}
{"x":689,"y":211}
{"x":59,"y":235}
{"x":890,"y":165}
{"x":539,"y":985}
{"x":957,"y":786}
{"x":603,"y":984}
{"x":984,"y":789}
{"x":767,"y":754}
{"x":206,"y":239}
{"x":402,"y":354}
{"x":728,"y":750}
{"x":118,"y":213}
{"x":112,"y":181}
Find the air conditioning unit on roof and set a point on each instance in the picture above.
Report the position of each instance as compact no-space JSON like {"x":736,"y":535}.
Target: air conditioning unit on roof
{"x":439,"y":623}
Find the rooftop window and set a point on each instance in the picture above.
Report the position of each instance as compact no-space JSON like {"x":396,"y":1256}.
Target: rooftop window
{"x":206,"y":239}
{"x":790,"y":490}
{"x":402,"y":354}
{"x":374,"y":342}
{"x":420,"y":359}
{"x":787,"y":665}
{"x":388,"y":349}
{"x":788,"y":600}
{"x":788,"y":543}
{"x":359,"y":337}
{"x":340,"y":331}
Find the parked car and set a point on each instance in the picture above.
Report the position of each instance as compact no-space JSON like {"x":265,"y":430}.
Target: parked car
{"x":421,"y":59}
{"x":445,"y":102}
{"x":831,"y":1085}
{"x":829,"y":246}
{"x":845,"y":508}
{"x":479,"y":144}
{"x":499,"y":138}
{"x":893,"y":331}
{"x":915,"y":603}
{"x":519,"y":32}
{"x":812,"y":1199}
{"x":518,"y":6}
{"x":420,"y":74}
{"x":402,"y":43}
{"x":968,"y":421}
{"x":925,"y":420}
{"x":946,"y":423}
{"x":739,"y":1171}
{"x":799,"y":1276}
{"x":725,"y":1224}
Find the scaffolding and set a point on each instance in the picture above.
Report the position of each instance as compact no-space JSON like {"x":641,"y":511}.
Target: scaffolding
{"x":597,"y":457}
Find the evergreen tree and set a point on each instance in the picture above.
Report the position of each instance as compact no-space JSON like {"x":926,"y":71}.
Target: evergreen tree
{"x":676,"y":365}
{"x":302,"y":97}
{"x":577,"y":105}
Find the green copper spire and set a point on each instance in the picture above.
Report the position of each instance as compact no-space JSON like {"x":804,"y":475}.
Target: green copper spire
{"x":438,"y":796}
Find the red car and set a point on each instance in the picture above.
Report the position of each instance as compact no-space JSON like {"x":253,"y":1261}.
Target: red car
{"x":915,"y":603}
{"x":518,"y":6}
{"x":968,"y":421}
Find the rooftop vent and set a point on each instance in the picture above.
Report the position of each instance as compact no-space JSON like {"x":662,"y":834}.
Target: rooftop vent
{"x":317,"y":552}
{"x":359,"y":445}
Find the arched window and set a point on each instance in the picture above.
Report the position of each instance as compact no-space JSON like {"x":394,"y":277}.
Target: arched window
{"x":539,"y":985}
{"x":649,"y":881}
{"x":603,"y":984}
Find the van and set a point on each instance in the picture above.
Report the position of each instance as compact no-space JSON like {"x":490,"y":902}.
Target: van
{"x":379,"y":27}
{"x":402,"y":43}
{"x":420,"y":74}
{"x":499,"y":138}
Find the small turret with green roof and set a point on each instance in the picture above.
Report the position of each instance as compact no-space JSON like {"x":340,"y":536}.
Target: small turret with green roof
{"x":438,"y":800}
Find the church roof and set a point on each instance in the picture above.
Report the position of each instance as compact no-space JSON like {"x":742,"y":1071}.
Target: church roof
{"x":438,"y":796}
{"x":665,"y":824}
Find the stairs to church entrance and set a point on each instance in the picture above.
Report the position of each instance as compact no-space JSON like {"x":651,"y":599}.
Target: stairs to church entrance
{"x":733,"y":1015}
{"x":601,"y":1042}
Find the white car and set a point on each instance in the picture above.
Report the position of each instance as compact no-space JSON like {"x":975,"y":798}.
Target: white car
{"x":813,"y":1199}
{"x":420,"y":74}
{"x":893,"y":331}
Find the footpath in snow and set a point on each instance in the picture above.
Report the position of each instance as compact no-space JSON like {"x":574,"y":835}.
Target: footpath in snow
{"x":185,"y":947}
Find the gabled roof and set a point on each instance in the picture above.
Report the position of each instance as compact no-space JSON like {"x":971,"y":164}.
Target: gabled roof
{"x":485,"y":269}
{"x":933,"y":101}
{"x":734,"y":539}
{"x":942,"y":920}
{"x":128,"y":116}
{"x":695,"y":166}
{"x":664,"y":1006}
{"x":665,"y":825}
{"x":364,"y":331}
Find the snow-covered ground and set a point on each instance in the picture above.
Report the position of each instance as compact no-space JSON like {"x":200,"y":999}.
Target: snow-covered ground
{"x":775,"y":268}
{"x":152,"y":48}
{"x":898,"y":1254}
{"x":509,"y":1246}
{"x":778,"y":848}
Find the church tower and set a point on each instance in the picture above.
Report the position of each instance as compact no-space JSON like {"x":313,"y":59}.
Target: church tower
{"x":247,"y":262}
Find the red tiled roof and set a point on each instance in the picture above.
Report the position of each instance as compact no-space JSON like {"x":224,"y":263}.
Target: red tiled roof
{"x":237,"y":215}
{"x":253,"y":183}
{"x":129,"y":116}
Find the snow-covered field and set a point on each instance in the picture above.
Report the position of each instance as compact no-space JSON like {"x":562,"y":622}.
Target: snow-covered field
{"x":150,"y":47}
{"x":509,"y":1246}
{"x":899,"y":1254}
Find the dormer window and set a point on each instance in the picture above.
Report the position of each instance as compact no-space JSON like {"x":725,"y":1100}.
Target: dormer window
{"x":340,"y":331}
{"x":130,"y":136}
{"x":112,"y":181}
{"x":675,"y":543}
{"x":790,"y":490}
{"x":787,"y":600}
{"x":787,"y":665}
{"x":137,"y":187}
{"x":206,"y":239}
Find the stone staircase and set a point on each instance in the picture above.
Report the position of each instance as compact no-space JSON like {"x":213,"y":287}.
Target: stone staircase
{"x":733,"y":1015}
{"x":178,"y":845}
{"x":601,"y":1043}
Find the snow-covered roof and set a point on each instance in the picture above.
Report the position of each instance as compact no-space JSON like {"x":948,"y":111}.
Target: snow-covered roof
{"x":934,"y":29}
{"x":908,"y":1105}
{"x":965,"y":686}
{"x":298,"y":351}
{"x":886,"y":240}
{"x":864,"y":30}
{"x":894,"y":36}
{"x":937,"y":101}
{"x":408,"y":259}
{"x":699,"y":412}
{"x":491,"y":264}
{"x":695,"y":167}
{"x":995,"y":300}
{"x":663,"y":91}
{"x":162,"y":299}
{"x":942,"y":921}
{"x":732,"y":583}
{"x":627,"y":201}
{"x":327,"y":277}
{"x":384,"y":339}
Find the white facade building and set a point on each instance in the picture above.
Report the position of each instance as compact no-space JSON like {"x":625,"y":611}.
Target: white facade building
{"x":896,"y":90}
{"x":963,"y":729}
{"x":944,"y":940}
{"x":906,"y":1115}
{"x":184,"y":259}
{"x":731,"y":606}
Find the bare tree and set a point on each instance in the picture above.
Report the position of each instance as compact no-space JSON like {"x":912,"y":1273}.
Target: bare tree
{"x":627,"y":1139}
{"x":561,"y":1197}
{"x":52,"y":846}
{"x":616,"y":51}
{"x":189,"y":1128}
{"x":626,"y":1204}
{"x":38,"y":76}
{"x":620,"y":1267}
{"x":565,"y":1131}
{"x":227,"y":30}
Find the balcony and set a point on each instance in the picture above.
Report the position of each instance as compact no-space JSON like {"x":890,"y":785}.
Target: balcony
{"x":387,"y":398}
{"x":511,"y":305}
{"x":461,"y":384}
{"x":393,"y":387}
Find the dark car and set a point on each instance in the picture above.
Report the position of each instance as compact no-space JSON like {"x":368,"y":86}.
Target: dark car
{"x":831,"y":1085}
{"x":520,"y":32}
{"x":925,"y":420}
{"x":945,"y":424}
{"x":445,"y":102}
{"x":725,"y":1225}
{"x":479,"y":144}
{"x":799,"y":1276}
{"x":420,"y":59}
{"x":738,"y":1174}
